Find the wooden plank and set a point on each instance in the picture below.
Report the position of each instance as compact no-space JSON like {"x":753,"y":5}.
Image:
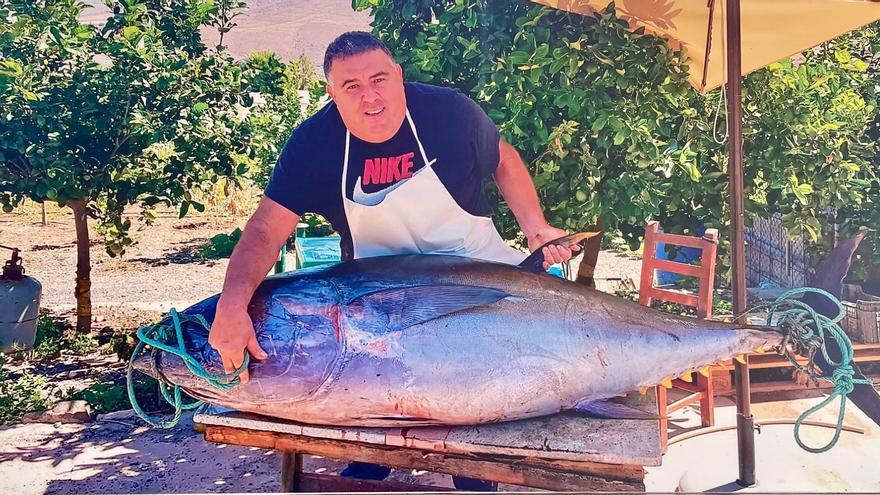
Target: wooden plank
{"x":681,"y":240}
{"x":561,"y":436}
{"x":322,"y":483}
{"x":564,"y":436}
{"x":676,"y":267}
{"x":674,"y":297}
{"x":862,"y":353}
{"x":481,"y":467}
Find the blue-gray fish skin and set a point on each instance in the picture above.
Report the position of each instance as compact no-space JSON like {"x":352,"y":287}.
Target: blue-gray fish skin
{"x":431,"y":339}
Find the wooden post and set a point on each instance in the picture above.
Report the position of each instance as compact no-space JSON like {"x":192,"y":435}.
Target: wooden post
{"x":707,"y":277}
{"x":291,"y":471}
{"x":648,"y":257}
{"x":745,"y":424}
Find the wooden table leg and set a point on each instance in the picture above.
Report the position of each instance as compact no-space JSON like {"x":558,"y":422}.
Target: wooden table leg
{"x":291,"y":471}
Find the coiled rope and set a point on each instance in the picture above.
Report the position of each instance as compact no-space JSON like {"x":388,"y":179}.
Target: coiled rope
{"x":160,"y":337}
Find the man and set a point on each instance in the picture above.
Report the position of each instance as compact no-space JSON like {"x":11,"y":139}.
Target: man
{"x":396,"y":168}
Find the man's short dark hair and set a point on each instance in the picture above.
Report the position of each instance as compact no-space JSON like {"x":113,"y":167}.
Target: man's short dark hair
{"x":349,"y":44}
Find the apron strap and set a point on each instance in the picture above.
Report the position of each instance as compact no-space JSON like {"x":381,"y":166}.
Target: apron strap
{"x":412,"y":126}
{"x":344,"y":180}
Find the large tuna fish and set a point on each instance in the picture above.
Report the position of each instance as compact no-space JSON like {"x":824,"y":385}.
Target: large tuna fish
{"x":425,"y":339}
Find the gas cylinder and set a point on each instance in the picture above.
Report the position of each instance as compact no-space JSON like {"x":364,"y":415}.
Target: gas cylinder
{"x":19,"y":305}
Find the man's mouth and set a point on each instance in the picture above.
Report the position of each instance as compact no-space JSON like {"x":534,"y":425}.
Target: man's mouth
{"x":374,"y":113}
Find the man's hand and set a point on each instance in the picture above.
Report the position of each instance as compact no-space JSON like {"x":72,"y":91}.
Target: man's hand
{"x":231,"y":335}
{"x":552,"y":254}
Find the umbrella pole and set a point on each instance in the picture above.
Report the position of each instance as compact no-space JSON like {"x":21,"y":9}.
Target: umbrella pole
{"x":745,"y":423}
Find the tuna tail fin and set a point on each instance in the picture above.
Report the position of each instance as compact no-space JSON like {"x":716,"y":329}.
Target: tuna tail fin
{"x":535,"y":262}
{"x":835,"y":268}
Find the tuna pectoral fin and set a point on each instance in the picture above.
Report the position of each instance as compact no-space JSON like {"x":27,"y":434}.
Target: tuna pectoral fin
{"x":611,"y":410}
{"x":535,"y":262}
{"x":400,"y":308}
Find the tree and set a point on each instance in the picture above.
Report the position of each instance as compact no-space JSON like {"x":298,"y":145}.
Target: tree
{"x":97,"y":118}
{"x":611,"y":129}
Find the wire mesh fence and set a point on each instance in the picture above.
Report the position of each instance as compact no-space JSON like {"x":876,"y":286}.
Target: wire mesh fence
{"x":773,"y":258}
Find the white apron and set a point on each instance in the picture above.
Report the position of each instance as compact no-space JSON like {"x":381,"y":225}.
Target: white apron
{"x":421,"y":216}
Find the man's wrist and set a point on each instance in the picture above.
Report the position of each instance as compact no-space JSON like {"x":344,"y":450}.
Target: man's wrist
{"x":533,"y":228}
{"x":232,"y":303}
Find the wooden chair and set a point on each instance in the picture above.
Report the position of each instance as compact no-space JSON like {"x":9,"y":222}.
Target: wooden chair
{"x":701,"y":390}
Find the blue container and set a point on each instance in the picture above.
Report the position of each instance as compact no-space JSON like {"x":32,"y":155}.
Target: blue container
{"x":683,"y":254}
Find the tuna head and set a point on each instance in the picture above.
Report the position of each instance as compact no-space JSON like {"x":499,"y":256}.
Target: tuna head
{"x":299,"y":333}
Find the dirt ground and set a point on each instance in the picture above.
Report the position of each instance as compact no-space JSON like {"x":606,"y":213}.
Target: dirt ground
{"x":162,"y":269}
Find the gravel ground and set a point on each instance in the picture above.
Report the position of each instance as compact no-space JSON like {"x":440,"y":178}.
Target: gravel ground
{"x":162,"y":269}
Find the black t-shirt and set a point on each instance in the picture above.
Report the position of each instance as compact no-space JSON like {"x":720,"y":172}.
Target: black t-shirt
{"x":453,"y":129}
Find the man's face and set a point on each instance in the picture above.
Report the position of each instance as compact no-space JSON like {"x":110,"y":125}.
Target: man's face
{"x":368,"y":90}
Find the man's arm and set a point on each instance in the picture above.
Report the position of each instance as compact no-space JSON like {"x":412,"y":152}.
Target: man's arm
{"x":518,"y":190}
{"x":233,"y":331}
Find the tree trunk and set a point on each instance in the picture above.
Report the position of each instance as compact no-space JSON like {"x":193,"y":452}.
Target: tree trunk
{"x":587,"y":268}
{"x":83,"y":291}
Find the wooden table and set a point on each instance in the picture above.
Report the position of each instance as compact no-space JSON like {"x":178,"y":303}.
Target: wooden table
{"x":563,"y":452}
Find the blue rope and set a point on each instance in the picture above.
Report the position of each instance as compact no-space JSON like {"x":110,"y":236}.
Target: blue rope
{"x":807,"y":332}
{"x":157,"y":336}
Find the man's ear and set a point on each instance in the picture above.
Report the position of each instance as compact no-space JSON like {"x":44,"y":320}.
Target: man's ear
{"x":399,"y":70}
{"x":329,"y":91}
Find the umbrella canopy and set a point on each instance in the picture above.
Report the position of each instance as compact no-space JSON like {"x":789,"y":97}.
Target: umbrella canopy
{"x":771,"y":29}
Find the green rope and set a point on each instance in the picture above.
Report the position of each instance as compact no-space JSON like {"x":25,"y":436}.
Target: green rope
{"x":158,"y":337}
{"x":807,"y":331}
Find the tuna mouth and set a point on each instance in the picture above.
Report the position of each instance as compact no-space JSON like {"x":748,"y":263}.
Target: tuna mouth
{"x":146,"y":364}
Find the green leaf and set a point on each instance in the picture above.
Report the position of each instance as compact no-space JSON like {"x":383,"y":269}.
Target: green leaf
{"x":184,"y":208}
{"x":200,"y":107}
{"x":130,"y":32}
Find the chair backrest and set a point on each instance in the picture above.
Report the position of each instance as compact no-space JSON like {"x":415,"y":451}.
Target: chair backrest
{"x":705,"y":272}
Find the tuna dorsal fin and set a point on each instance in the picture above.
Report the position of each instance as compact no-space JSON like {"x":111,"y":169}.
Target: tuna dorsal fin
{"x":611,"y":410}
{"x":535,"y":262}
{"x":399,"y":308}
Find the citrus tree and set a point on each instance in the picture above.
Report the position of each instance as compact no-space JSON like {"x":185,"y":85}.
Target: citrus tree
{"x":611,"y":129}
{"x":135,"y":111}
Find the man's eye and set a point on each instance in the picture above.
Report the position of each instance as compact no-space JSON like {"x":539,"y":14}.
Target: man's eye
{"x":379,"y":80}
{"x":351,"y":87}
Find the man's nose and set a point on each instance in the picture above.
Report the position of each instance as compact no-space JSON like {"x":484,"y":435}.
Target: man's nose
{"x":370,"y":95}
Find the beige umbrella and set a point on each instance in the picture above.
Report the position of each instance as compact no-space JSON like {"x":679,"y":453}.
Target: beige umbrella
{"x":771,"y":29}
{"x":723,"y":39}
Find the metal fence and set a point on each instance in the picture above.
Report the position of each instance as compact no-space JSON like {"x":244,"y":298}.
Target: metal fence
{"x":774,"y":258}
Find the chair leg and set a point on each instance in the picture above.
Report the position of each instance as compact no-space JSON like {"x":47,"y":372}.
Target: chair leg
{"x":707,"y":400}
{"x":660,"y":392}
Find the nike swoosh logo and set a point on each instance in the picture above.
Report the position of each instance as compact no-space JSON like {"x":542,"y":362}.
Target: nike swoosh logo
{"x":372,"y":199}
